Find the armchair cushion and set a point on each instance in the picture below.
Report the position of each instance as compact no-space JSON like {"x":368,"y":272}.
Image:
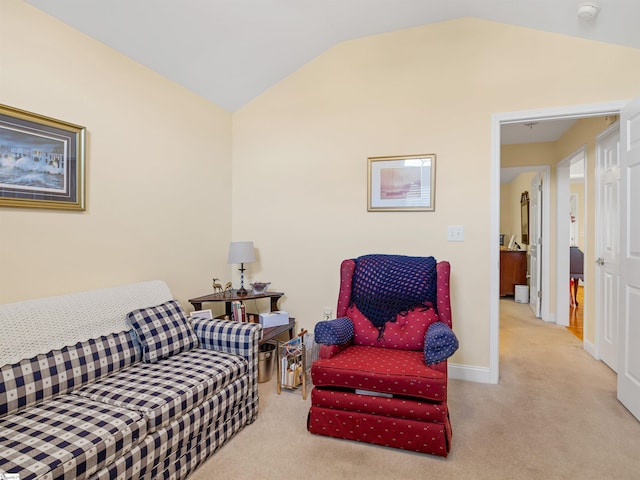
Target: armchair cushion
{"x":406,"y":332}
{"x":334,"y":332}
{"x":162,"y":331}
{"x":439,"y":343}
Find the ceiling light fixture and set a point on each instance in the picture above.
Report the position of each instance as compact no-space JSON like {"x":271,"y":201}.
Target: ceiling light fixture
{"x":530,"y":125}
{"x":587,"y":11}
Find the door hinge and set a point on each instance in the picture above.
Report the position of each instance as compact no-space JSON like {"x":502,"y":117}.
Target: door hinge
{"x":540,"y":294}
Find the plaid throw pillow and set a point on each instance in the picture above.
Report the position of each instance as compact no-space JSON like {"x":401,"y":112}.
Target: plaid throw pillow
{"x":162,"y":331}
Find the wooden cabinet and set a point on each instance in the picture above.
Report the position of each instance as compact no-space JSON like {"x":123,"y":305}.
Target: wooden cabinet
{"x":513,"y":271}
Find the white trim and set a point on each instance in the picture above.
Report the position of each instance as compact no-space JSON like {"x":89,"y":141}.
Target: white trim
{"x":497,"y":119}
{"x":469,"y":373}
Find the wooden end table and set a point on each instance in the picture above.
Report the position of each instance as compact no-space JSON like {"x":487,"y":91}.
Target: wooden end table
{"x":232,"y":296}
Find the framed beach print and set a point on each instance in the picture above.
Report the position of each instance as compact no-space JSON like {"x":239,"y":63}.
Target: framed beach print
{"x":402,"y":184}
{"x":42,"y":162}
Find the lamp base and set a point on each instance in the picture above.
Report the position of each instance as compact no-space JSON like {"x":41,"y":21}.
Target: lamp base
{"x":242,"y":292}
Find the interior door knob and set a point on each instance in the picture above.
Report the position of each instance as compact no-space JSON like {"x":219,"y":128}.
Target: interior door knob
{"x":600,"y":261}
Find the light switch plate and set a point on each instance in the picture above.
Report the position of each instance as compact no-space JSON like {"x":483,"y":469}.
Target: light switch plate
{"x":455,"y":233}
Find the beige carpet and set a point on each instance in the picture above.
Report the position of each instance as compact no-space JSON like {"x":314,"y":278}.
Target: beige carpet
{"x":554,"y":415}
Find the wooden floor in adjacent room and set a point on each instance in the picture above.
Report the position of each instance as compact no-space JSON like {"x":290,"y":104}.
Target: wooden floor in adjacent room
{"x":576,"y":314}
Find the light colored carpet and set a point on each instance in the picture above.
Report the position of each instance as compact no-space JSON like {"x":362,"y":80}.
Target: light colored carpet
{"x":554,"y":415}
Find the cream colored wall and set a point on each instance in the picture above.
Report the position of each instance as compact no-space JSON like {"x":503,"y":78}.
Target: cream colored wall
{"x":506,"y":209}
{"x":300,"y":153}
{"x":158,"y":169}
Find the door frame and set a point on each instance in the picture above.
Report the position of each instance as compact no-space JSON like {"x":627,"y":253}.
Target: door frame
{"x":497,"y":119}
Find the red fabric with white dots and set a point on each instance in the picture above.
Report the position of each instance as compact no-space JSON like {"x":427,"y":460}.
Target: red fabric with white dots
{"x":399,"y":372}
{"x":391,"y":407}
{"x":424,"y":437}
{"x":418,"y":420}
{"x":406,"y":333}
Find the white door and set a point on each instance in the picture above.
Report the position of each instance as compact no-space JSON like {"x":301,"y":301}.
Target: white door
{"x":535,"y":245}
{"x":608,"y":244}
{"x":629,"y":359}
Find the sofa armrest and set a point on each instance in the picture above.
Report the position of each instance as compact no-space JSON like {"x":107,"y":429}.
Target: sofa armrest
{"x":230,"y":337}
{"x":439,"y":343}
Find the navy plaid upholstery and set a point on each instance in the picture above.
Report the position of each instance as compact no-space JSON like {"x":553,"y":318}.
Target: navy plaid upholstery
{"x":45,"y":376}
{"x":67,"y":438}
{"x":166,"y":390}
{"x":162,"y":330}
{"x":202,"y":430}
{"x":236,"y":338}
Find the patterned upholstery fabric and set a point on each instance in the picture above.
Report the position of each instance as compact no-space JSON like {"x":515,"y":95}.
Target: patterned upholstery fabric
{"x":439,"y":344}
{"x":387,"y":396}
{"x":386,"y":285}
{"x":174,"y":418}
{"x":165,"y":390}
{"x":407,"y":332}
{"x":187,"y":441}
{"x":424,"y":437}
{"x":236,"y":338}
{"x":398,"y":372}
{"x":45,"y":376}
{"x":162,"y":330}
{"x":334,"y":332}
{"x":67,"y":438}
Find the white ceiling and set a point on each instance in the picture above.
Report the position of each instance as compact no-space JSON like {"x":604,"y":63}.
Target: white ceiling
{"x":230,"y":51}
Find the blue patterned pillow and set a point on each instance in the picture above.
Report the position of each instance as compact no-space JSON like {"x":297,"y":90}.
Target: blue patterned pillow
{"x":439,"y":343}
{"x":334,"y":332}
{"x":162,"y":331}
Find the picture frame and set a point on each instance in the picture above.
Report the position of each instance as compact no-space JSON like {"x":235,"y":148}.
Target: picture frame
{"x":42,"y":161}
{"x":206,"y":314}
{"x":401,"y":183}
{"x":524,"y":217}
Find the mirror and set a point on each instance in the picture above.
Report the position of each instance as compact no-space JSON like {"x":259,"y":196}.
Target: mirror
{"x":524,"y":217}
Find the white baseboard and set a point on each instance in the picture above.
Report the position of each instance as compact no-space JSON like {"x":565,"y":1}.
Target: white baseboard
{"x":470,"y":373}
{"x":590,"y":348}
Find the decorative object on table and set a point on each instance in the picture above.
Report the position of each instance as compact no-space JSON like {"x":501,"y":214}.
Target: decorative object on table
{"x":42,"y":162}
{"x":216,"y":286}
{"x":402,"y":184}
{"x":228,"y":288}
{"x":241,"y":252}
{"x":260,"y":287}
{"x":273,"y":319}
{"x":205,"y":314}
{"x":239,"y":311}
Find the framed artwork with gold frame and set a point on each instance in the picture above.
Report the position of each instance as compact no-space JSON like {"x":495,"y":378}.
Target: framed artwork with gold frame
{"x":402,"y":183}
{"x":42,"y":161}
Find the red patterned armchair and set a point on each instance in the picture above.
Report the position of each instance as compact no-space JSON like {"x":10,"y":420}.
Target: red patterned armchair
{"x":381,"y":376}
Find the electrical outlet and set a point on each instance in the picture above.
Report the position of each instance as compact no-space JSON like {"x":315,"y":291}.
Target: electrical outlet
{"x":326,"y":313}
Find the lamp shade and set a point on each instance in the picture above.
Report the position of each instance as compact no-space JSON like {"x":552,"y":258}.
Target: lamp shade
{"x":241,"y":252}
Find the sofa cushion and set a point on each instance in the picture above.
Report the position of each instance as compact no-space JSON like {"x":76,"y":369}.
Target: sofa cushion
{"x":67,"y":438}
{"x":166,"y":390}
{"x":45,"y":376}
{"x":162,"y":330}
{"x":407,"y":332}
{"x":385,"y":370}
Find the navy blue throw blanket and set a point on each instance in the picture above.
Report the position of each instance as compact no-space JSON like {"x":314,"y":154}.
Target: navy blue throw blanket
{"x":385,"y":285}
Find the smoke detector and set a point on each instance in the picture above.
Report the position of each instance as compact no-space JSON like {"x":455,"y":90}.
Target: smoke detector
{"x":587,"y":11}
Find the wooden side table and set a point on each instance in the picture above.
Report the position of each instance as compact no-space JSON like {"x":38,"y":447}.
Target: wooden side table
{"x":268,"y":333}
{"x":232,"y":296}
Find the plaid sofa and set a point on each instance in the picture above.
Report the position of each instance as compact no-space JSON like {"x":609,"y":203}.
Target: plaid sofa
{"x":95,"y":409}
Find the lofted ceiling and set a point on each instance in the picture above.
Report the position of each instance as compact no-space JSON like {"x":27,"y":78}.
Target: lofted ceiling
{"x":230,"y":51}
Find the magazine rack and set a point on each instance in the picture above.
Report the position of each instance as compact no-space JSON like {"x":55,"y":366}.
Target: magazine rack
{"x":294,"y":360}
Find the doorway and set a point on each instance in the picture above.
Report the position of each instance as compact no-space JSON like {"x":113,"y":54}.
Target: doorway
{"x":561,"y":257}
